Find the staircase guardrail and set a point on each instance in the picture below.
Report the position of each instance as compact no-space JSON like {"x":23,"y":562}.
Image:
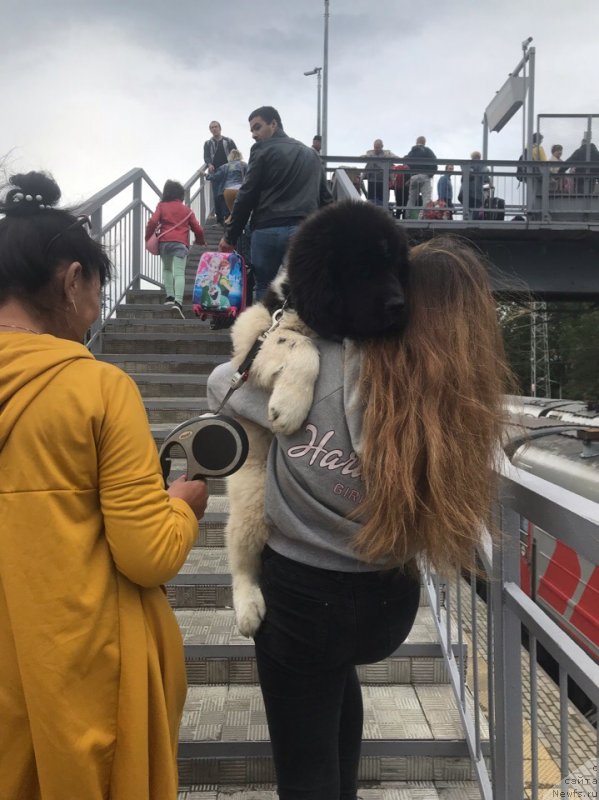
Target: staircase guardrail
{"x":508,"y":610}
{"x":131,"y":200}
{"x":198,"y":195}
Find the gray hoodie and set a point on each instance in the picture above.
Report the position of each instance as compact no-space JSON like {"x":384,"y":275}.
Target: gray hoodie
{"x":313,"y":477}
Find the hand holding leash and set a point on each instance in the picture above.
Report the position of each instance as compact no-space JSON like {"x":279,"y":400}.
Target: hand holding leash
{"x":194,"y":493}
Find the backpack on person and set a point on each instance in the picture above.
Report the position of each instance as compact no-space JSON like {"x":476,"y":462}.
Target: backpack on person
{"x":436,"y":209}
{"x":494,"y":208}
{"x":220,"y":287}
{"x":399,"y":177}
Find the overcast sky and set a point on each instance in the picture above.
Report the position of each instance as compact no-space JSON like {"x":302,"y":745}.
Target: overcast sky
{"x":92,"y":89}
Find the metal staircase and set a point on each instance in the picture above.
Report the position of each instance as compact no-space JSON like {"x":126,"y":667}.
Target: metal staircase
{"x":414,"y":746}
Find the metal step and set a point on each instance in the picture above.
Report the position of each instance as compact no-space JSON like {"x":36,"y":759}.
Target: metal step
{"x":410,"y":733}
{"x":175,"y":410}
{"x":205,"y":580}
{"x":387,"y":790}
{"x":176,"y":363}
{"x":154,"y":311}
{"x":216,"y":653}
{"x":166,"y":344}
{"x":165,"y":385}
{"x":167,"y":321}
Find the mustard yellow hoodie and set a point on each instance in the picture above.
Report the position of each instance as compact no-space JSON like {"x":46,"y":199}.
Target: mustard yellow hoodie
{"x":92,"y":679}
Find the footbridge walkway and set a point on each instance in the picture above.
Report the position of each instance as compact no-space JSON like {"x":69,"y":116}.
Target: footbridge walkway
{"x":461,"y":710}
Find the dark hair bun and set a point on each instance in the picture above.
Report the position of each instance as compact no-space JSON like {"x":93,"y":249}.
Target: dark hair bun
{"x":30,"y":192}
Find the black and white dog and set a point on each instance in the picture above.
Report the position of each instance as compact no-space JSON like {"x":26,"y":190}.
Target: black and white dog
{"x":286,"y":366}
{"x":345,"y":276}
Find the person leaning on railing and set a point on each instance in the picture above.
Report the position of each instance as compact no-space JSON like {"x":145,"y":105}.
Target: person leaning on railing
{"x":231,"y":175}
{"x":92,"y":675}
{"x":585,"y":178}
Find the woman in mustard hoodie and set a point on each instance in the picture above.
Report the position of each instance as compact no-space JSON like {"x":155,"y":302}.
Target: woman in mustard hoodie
{"x":92,"y":679}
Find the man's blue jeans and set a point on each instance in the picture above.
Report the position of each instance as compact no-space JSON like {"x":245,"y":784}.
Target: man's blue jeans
{"x":268,"y":249}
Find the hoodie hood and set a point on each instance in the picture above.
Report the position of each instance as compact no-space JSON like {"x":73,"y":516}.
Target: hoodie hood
{"x":28,"y":363}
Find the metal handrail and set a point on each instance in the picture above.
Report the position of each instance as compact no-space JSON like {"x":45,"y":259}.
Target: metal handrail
{"x":528,"y":188}
{"x":572,"y":520}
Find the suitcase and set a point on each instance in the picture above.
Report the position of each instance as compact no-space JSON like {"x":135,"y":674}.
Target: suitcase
{"x":220,"y":287}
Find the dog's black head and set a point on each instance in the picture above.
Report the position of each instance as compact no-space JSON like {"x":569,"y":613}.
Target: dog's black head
{"x":347,"y":269}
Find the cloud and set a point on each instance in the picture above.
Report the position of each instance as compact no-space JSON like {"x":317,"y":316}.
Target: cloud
{"x":91,"y":89}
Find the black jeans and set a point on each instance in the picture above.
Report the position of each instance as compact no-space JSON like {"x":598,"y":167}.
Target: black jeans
{"x":319,"y":624}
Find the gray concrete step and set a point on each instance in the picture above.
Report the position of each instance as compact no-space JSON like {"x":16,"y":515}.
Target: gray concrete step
{"x":205,"y":580}
{"x":165,"y":384}
{"x":167,"y":344}
{"x":166,"y":321}
{"x":173,"y":411}
{"x":410,"y":733}
{"x":216,"y":653}
{"x":387,"y":790}
{"x":154,"y":311}
{"x":176,"y":363}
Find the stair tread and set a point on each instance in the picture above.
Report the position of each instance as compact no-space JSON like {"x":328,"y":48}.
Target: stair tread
{"x":201,"y":326}
{"x":199,"y":336}
{"x":390,"y":790}
{"x":216,"y":627}
{"x":205,"y":561}
{"x":214,"y":358}
{"x":400,"y":712}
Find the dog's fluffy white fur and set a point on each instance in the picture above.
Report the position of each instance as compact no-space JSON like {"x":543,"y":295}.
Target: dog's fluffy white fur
{"x":286,"y":366}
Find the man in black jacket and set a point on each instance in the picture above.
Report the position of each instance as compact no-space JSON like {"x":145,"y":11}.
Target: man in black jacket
{"x":284,"y":183}
{"x":423,"y":165}
{"x":216,"y":153}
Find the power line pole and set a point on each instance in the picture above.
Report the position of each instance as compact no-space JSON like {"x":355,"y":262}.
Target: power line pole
{"x":540,"y":366}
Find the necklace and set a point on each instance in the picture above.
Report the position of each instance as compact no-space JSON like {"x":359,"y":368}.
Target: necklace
{"x":19,"y":328}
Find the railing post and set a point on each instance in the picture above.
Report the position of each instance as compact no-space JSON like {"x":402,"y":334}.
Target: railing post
{"x":137,"y":234}
{"x":386,"y":170}
{"x":506,"y":664}
{"x":205,"y":187}
{"x":466,"y":192}
{"x":545,"y":215}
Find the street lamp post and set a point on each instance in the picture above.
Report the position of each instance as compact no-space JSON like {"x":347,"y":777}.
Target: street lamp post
{"x":317,"y":71}
{"x":325,"y":90}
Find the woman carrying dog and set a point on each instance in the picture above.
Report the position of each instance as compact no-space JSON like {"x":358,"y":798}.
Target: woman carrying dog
{"x":92,"y":675}
{"x":394,"y":461}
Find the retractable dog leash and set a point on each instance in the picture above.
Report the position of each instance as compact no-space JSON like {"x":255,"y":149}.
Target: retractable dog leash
{"x":214,"y":444}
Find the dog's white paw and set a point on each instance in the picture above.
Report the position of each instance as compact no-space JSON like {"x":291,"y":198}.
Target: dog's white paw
{"x":249,"y":610}
{"x":286,"y":418}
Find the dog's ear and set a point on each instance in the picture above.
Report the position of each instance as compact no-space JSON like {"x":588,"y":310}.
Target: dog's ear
{"x":348,"y":268}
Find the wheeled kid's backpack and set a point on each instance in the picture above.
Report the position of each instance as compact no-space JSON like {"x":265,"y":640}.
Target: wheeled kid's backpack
{"x":220,"y":286}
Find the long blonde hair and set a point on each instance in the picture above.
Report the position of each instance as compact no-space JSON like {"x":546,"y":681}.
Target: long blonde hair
{"x":433,"y":414}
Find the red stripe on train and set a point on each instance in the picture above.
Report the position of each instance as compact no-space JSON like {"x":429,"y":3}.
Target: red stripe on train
{"x":561,"y":577}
